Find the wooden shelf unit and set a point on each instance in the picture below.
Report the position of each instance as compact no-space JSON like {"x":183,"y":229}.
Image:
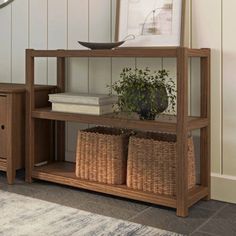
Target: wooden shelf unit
{"x":59,"y":171}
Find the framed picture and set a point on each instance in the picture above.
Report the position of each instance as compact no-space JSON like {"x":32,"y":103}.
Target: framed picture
{"x":4,"y":3}
{"x":150,"y":23}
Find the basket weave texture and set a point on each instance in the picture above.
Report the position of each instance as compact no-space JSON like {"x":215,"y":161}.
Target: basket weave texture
{"x":152,"y":163}
{"x":101,"y":155}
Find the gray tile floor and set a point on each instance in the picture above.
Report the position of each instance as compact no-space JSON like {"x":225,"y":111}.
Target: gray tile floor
{"x":205,"y":218}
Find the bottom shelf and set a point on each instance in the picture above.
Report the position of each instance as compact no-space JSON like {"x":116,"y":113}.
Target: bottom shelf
{"x":64,"y":173}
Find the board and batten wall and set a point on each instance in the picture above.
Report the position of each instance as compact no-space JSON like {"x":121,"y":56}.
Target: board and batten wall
{"x":59,"y":24}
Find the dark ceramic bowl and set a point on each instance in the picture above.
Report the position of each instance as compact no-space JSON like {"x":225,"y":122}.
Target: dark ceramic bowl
{"x":101,"y":46}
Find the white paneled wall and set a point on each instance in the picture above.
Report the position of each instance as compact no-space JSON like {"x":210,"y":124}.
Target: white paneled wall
{"x":53,"y":24}
{"x":100,"y":25}
{"x":6,"y":44}
{"x":78,"y":29}
{"x":57,"y":32}
{"x":38,"y":36}
{"x":206,"y":32}
{"x":229,"y":88}
{"x":20,"y":39}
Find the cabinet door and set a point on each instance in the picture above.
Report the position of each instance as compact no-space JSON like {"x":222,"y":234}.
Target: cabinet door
{"x":3,"y":128}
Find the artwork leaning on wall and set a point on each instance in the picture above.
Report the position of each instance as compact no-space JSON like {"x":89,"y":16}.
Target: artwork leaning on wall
{"x":4,"y":3}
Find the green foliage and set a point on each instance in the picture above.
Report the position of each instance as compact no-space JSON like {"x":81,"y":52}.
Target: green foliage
{"x":145,"y":91}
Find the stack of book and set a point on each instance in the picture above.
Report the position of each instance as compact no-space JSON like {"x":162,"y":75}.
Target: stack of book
{"x":93,"y":104}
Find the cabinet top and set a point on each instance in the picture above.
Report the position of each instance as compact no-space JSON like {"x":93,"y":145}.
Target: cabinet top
{"x":12,"y":88}
{"x":20,"y":88}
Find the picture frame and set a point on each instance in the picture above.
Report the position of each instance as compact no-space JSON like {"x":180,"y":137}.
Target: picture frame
{"x":150,"y":23}
{"x":4,"y":3}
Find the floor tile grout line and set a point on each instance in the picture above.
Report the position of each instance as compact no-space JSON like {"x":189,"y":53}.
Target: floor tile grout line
{"x":139,"y":213}
{"x":210,"y":234}
{"x":207,"y":208}
{"x":199,"y":227}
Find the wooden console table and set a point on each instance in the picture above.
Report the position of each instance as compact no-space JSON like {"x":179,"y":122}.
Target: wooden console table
{"x":57,"y":170}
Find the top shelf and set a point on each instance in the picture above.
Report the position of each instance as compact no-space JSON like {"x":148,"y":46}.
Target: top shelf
{"x":122,"y":52}
{"x":21,"y":88}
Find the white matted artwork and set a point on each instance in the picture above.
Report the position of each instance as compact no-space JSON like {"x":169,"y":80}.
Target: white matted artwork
{"x":154,"y":23}
{"x":4,"y":3}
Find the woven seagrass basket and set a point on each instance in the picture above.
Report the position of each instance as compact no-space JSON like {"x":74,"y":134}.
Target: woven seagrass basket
{"x":152,"y":163}
{"x":101,"y":155}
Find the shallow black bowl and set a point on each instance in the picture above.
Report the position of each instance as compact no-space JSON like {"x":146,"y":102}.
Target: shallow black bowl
{"x":100,"y":46}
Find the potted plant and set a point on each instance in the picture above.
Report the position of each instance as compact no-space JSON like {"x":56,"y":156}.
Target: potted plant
{"x":144,"y":92}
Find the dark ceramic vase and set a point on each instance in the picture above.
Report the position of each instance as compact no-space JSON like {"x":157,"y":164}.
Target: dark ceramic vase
{"x":161,"y":98}
{"x":146,"y":114}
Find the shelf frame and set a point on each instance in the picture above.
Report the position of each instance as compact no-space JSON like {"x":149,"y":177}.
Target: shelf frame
{"x":184,"y":199}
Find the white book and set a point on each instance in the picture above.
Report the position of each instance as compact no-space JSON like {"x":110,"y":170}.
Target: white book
{"x":83,"y":98}
{"x":82,"y":109}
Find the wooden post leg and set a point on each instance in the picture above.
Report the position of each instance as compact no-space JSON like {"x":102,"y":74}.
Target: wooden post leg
{"x":30,"y":142}
{"x":11,"y":174}
{"x":30,"y":122}
{"x":60,"y":125}
{"x":10,"y":143}
{"x":182,"y":211}
{"x":205,"y":161}
{"x":182,"y":176}
{"x":182,"y":133}
{"x":28,"y":178}
{"x":60,"y":131}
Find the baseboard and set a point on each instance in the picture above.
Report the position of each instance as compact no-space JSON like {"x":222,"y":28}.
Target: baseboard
{"x":223,"y":188}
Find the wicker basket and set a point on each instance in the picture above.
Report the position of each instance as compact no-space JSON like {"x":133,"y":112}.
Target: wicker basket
{"x":102,"y":155}
{"x":152,"y":163}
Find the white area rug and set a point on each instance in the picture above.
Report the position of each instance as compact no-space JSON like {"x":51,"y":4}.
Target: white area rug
{"x":25,"y":216}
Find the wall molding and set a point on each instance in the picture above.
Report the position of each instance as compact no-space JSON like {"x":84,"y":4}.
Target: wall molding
{"x":223,"y":187}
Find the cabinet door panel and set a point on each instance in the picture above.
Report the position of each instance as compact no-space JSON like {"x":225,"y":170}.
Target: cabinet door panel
{"x":3,"y":128}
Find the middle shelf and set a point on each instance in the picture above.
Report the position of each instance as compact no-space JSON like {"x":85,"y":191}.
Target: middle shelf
{"x":164,"y":123}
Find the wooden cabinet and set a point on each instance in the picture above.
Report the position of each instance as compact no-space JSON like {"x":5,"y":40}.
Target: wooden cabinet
{"x":3,"y":130}
{"x":12,"y":129}
{"x":12,"y":126}
{"x":57,"y":170}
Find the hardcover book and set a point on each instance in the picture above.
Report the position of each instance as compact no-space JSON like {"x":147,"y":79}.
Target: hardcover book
{"x":82,"y":98}
{"x":83,"y":109}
